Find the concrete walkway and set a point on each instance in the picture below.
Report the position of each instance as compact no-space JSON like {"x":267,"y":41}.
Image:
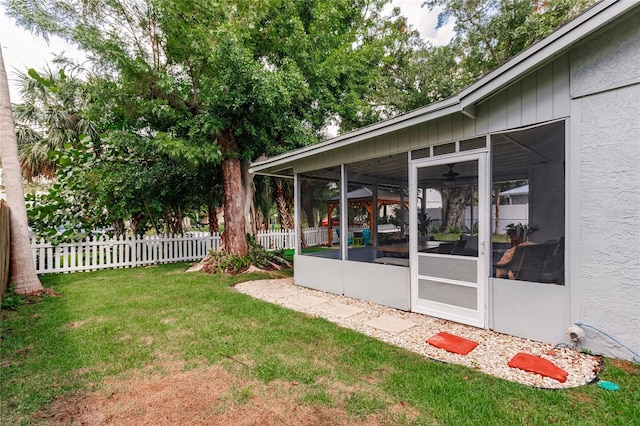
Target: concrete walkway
{"x":411,"y":330}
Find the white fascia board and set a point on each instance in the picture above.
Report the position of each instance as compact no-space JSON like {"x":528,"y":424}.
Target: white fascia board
{"x":428,"y":113}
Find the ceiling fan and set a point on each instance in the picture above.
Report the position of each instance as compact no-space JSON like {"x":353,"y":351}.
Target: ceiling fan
{"x":450,"y":176}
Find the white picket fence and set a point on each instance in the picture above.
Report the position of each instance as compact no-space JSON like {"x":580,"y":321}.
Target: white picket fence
{"x":318,"y":236}
{"x":276,"y":240}
{"x":103,"y":253}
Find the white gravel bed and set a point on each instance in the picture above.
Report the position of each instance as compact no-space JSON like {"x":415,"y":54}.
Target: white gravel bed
{"x":491,"y":355}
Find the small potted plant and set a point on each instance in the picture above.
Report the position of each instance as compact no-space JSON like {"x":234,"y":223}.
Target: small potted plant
{"x":520,"y":233}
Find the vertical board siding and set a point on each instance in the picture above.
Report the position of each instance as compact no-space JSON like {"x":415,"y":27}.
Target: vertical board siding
{"x":469,"y":127}
{"x":404,"y":139}
{"x":561,"y":87}
{"x":386,"y":144}
{"x":514,"y":106}
{"x":457,"y":126}
{"x":482,"y":118}
{"x":414,"y":141}
{"x":528,"y":87}
{"x":498,"y":111}
{"x":544,"y":103}
{"x":432,"y":133}
{"x":540,"y":96}
{"x":445,"y":128}
{"x":423,"y":135}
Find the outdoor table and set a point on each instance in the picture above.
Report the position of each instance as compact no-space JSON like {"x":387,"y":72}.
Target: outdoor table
{"x":404,"y":247}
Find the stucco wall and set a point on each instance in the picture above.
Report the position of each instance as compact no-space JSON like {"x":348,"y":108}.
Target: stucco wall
{"x":609,"y":60}
{"x":606,"y":131}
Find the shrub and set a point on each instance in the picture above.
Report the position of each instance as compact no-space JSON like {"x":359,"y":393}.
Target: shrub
{"x":223,"y":262}
{"x":12,"y":301}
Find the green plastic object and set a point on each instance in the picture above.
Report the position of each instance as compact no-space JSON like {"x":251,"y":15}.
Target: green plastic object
{"x":608,"y":385}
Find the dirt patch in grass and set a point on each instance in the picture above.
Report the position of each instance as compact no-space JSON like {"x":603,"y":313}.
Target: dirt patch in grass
{"x":204,"y":396}
{"x":78,"y":324}
{"x":626,"y":366}
{"x":581,"y":398}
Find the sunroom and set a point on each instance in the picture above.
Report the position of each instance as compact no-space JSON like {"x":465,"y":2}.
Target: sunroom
{"x":470,"y":209}
{"x":449,"y":254}
{"x":413,"y":258}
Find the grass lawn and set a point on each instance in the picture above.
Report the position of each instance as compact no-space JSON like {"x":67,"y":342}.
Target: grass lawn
{"x":112,"y":332}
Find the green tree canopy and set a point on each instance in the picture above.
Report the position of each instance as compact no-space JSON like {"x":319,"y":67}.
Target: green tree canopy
{"x":487,"y":33}
{"x":49,"y":117}
{"x":249,"y":77}
{"x":490,"y":32}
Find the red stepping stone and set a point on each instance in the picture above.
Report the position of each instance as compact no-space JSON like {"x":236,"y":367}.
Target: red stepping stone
{"x":537,"y":365}
{"x":452,"y":343}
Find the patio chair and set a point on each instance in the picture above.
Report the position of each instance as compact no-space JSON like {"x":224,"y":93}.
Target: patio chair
{"x":510,"y":262}
{"x":553,"y":271}
{"x":458,"y":247}
{"x":349,"y":239}
{"x":528,"y":262}
{"x":471,"y":247}
{"x":455,"y":247}
{"x":366,"y":237}
{"x":445,"y":248}
{"x":533,"y":262}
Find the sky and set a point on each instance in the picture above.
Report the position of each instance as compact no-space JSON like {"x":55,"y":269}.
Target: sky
{"x":22,"y":50}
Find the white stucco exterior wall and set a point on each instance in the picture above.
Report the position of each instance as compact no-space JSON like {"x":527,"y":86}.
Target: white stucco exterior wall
{"x":605,"y":78}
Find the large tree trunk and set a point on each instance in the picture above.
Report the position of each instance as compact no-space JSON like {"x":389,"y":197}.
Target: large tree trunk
{"x":308,"y":212}
{"x":454,"y":203}
{"x":283,"y":206}
{"x":303,"y":238}
{"x":173,"y":222}
{"x":118,"y":228}
{"x":22,"y":268}
{"x":234,"y":236}
{"x":248,"y":191}
{"x":498,"y":189}
{"x":260,"y":220}
{"x":137,"y":222}
{"x":307,"y":203}
{"x":212,"y":215}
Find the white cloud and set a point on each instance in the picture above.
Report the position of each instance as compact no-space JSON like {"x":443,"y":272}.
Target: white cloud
{"x":22,"y":50}
{"x":425,"y":21}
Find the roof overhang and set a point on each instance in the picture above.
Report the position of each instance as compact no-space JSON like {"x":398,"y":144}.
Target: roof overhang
{"x":435,"y":110}
{"x":541,"y":53}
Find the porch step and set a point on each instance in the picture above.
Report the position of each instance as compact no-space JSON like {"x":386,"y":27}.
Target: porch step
{"x":452,"y":343}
